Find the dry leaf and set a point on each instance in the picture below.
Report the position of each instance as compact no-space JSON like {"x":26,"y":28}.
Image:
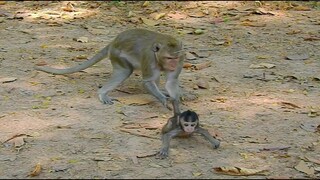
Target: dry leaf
{"x":67,"y":16}
{"x":157,"y":16}
{"x":134,"y":20}
{"x":185,"y":31}
{"x":201,"y":65}
{"x":244,"y":155}
{"x":191,"y":5}
{"x":36,"y":170}
{"x":262,"y":11}
{"x":82,"y":39}
{"x":220,"y":100}
{"x":313,"y":113}
{"x":80,"y":57}
{"x":290,"y":78}
{"x":130,"y":14}
{"x":190,"y":56}
{"x":19,"y":141}
{"x":293,"y":32}
{"x":215,"y":42}
{"x":275,"y":148}
{"x":297,"y":57}
{"x":311,"y":127}
{"x":288,"y":105}
{"x":317,"y":169}
{"x":317,"y":79}
{"x":101,"y":158}
{"x":203,"y":84}
{"x":202,"y":54}
{"x":262,"y":66}
{"x":311,"y":38}
{"x":132,"y":126}
{"x":187,"y":65}
{"x":145,"y":4}
{"x":34,"y":83}
{"x":317,"y":161}
{"x":8,"y":79}
{"x":238,"y":171}
{"x":44,"y":46}
{"x":196,"y":174}
{"x":69,"y":7}
{"x":251,"y":24}
{"x":303,"y":167}
{"x":45,"y":16}
{"x":60,"y":167}
{"x":149,"y":22}
{"x":262,"y":57}
{"x":177,"y":16}
{"x":1,"y":48}
{"x":41,"y":63}
{"x":199,"y":31}
{"x":301,"y":8}
{"x":114,"y":9}
{"x":228,"y":41}
{"x":146,"y":155}
{"x":199,"y":14}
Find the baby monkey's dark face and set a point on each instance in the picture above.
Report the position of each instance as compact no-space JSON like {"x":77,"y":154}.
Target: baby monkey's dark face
{"x":188,"y":121}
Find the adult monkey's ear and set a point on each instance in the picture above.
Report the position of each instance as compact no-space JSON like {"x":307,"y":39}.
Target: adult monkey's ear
{"x":156,"y":47}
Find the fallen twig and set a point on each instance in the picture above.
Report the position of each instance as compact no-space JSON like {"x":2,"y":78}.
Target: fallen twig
{"x":147,"y":155}
{"x":137,"y":134}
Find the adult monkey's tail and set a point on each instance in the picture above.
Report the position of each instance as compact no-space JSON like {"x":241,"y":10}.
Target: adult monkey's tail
{"x":98,"y":57}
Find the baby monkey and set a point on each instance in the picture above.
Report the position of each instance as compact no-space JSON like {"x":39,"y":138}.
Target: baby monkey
{"x":183,"y":124}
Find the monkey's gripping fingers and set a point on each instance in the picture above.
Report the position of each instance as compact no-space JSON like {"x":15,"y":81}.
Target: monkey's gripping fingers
{"x":169,"y":107}
{"x":164,"y":92}
{"x":106,"y":99}
{"x":164,"y":101}
{"x":153,"y":89}
{"x":163,"y":153}
{"x":174,"y":104}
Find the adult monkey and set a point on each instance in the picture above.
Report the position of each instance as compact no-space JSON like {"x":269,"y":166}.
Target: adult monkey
{"x":149,"y":51}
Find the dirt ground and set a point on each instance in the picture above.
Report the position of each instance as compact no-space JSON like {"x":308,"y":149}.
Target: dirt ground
{"x":259,"y":96}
